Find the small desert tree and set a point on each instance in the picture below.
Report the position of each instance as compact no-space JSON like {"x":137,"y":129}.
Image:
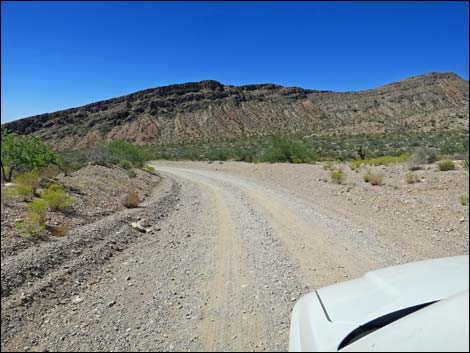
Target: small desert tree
{"x":24,"y":154}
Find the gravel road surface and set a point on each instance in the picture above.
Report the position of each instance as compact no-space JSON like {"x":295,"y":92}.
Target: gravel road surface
{"x":220,"y":268}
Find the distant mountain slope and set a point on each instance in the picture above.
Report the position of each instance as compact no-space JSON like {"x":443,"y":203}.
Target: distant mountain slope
{"x":211,"y":110}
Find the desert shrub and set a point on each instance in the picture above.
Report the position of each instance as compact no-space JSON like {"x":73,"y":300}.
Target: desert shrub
{"x":30,"y":180}
{"x":217,"y":155}
{"x":120,"y":153}
{"x":24,"y":192}
{"x":7,"y":195}
{"x":464,"y":200}
{"x":328,"y":165}
{"x":411,"y":178}
{"x":285,"y":150}
{"x":125,"y":164}
{"x":337,"y":176}
{"x":422,"y":155}
{"x":130,"y":152}
{"x":60,"y":230}
{"x":131,"y":200}
{"x":318,"y":147}
{"x":446,"y":165}
{"x":75,"y":159}
{"x":33,"y":224}
{"x":131,"y":173}
{"x":57,"y":198}
{"x":374,"y":179}
{"x":245,"y":154}
{"x":39,"y":207}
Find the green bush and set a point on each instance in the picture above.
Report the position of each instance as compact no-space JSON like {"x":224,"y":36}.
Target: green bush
{"x":28,"y":179}
{"x":286,"y":150}
{"x":411,"y":178}
{"x":33,"y":224}
{"x":217,"y":155}
{"x":125,"y":164}
{"x":24,"y":192}
{"x":464,"y":200}
{"x":121,"y":153}
{"x":57,"y":198}
{"x":130,"y":152}
{"x":446,"y":165}
{"x":39,"y":207}
{"x":337,"y":176}
{"x":320,"y":147}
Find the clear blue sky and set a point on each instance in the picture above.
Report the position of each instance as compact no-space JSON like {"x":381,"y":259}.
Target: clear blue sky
{"x":60,"y":55}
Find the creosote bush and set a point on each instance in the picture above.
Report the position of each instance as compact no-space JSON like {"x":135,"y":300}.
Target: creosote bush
{"x":29,"y":178}
{"x":446,"y":165}
{"x":411,"y":178}
{"x":26,"y":185}
{"x":337,"y":176}
{"x":33,"y":224}
{"x":24,"y":192}
{"x":57,"y":198}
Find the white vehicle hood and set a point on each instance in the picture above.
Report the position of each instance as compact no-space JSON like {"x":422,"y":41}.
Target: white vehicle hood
{"x":387,"y":290}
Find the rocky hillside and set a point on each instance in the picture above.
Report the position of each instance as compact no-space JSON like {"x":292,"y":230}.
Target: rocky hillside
{"x":211,"y":110}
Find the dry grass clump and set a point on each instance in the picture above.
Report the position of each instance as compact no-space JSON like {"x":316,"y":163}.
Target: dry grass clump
{"x":60,"y":230}
{"x":131,"y":200}
{"x":374,"y":179}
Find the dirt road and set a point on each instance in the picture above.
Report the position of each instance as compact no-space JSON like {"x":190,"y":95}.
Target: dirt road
{"x":221,"y":270}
